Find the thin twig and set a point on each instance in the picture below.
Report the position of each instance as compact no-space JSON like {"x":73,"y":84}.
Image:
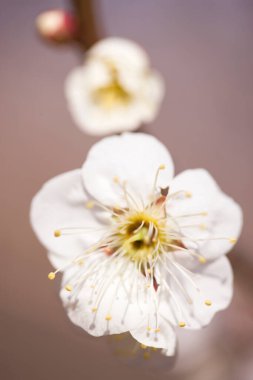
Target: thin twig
{"x":88,"y":25}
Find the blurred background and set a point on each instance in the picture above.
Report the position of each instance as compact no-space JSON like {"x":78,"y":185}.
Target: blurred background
{"x":204,"y":51}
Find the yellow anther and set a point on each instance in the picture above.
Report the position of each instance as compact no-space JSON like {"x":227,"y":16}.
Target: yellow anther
{"x":69,"y":288}
{"x":188,"y":194}
{"x":146,"y":355}
{"x":108,"y":317}
{"x":116,"y":179}
{"x":51,"y":276}
{"x":89,"y":204}
{"x":202,"y":259}
{"x":202,"y":226}
{"x":143,"y":346}
{"x":57,"y":233}
{"x":154,"y":349}
{"x":162,"y":167}
{"x":232,"y":240}
{"x":157,"y":330}
{"x":204,"y":213}
{"x":80,"y":262}
{"x":181,"y":324}
{"x":148,"y":328}
{"x":208,"y":303}
{"x":94,"y":309}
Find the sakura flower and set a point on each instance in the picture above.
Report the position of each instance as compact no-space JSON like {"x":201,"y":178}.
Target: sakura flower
{"x":140,"y":251}
{"x":115,"y":90}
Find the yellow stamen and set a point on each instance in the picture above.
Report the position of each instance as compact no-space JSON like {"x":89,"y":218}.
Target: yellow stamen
{"x":181,"y":324}
{"x":89,"y":204}
{"x":188,"y":194}
{"x":51,"y":276}
{"x":143,"y":346}
{"x":202,"y":260}
{"x":208,"y":303}
{"x":162,"y":167}
{"x":157,"y":330}
{"x":232,"y":240}
{"x":148,"y":328}
{"x":94,"y":309}
{"x":57,"y":233}
{"x":69,"y":288}
{"x":146,"y":355}
{"x":108,"y":317}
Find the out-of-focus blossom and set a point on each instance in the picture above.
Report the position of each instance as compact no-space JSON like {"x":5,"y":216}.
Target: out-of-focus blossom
{"x":57,"y":25}
{"x":115,"y":90}
{"x":147,"y":253}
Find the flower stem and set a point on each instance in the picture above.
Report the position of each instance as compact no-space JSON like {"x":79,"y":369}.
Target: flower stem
{"x":88,"y":30}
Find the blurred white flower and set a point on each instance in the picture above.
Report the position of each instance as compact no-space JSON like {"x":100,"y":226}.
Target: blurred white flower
{"x":56,"y":25}
{"x":146,"y":254}
{"x":115,"y":90}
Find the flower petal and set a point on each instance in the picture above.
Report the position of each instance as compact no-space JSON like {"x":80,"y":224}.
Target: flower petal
{"x":223,"y":222}
{"x":61,"y":203}
{"x":133,"y":158}
{"x":121,"y":52}
{"x":153,"y":93}
{"x":164,"y":337}
{"x":104,"y":302}
{"x":200,"y":187}
{"x":96,"y":120}
{"x":205,"y":213}
{"x":211,"y":293}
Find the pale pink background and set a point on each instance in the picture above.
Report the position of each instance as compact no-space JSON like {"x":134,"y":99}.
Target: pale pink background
{"x":204,"y":51}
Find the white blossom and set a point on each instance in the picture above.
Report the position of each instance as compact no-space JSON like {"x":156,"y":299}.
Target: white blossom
{"x":115,"y":89}
{"x":140,"y":251}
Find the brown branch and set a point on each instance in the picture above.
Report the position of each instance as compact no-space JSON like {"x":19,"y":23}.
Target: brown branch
{"x":88,"y":27}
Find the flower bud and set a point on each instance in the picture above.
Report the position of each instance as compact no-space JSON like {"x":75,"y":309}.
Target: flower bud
{"x":57,"y":25}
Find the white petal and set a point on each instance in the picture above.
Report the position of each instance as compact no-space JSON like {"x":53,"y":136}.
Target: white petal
{"x":79,"y":87}
{"x":202,"y":190}
{"x":165,"y":338}
{"x":145,"y":87}
{"x":113,"y":287}
{"x":88,"y":77}
{"x":121,"y":52}
{"x":214,"y":282}
{"x":94,"y":119}
{"x":134,"y":158}
{"x":154,"y":90}
{"x":224,"y":221}
{"x":61,"y":203}
{"x":90,"y":116}
{"x":223,"y":218}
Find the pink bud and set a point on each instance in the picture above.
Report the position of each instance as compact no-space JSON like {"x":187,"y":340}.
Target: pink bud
{"x":57,"y":25}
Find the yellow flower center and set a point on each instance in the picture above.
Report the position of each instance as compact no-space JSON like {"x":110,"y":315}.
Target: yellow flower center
{"x":141,"y":234}
{"x":111,"y":95}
